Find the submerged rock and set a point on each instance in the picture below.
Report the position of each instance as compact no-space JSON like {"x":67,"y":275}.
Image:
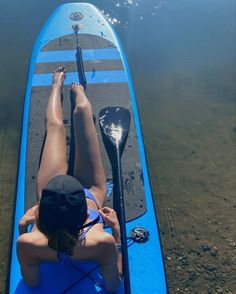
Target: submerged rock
{"x":205,"y":247}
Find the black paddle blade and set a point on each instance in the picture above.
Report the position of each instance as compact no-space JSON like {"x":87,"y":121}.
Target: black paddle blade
{"x":114,"y":124}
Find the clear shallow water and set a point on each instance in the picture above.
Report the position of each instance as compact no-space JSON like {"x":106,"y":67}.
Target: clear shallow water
{"x":182,"y":59}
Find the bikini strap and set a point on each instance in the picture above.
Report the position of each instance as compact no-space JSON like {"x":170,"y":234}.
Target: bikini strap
{"x":89,"y":226}
{"x":92,"y":223}
{"x":89,"y":195}
{"x":82,"y":236}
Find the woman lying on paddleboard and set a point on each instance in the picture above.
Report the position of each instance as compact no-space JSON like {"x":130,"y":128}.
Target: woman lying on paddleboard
{"x":68,"y":221}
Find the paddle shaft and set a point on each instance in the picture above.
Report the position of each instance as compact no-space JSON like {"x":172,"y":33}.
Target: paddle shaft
{"x":80,"y":65}
{"x":118,"y":204}
{"x":115,"y":125}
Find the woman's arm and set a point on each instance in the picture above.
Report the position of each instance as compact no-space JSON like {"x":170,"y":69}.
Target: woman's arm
{"x":27,"y":219}
{"x":109,"y":265}
{"x":29,"y":266}
{"x":110,"y":217}
{"x":30,"y":274}
{"x":116,"y":235}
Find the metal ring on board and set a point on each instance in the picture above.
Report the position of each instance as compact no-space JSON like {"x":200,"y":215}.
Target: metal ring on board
{"x":76,"y":27}
{"x":139,"y":235}
{"x":75,"y":16}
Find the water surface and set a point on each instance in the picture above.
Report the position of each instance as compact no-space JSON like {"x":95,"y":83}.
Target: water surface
{"x":182,"y":59}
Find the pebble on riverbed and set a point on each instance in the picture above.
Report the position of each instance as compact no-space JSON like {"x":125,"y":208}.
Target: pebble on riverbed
{"x":214,"y":253}
{"x":205,"y":247}
{"x":213,"y":250}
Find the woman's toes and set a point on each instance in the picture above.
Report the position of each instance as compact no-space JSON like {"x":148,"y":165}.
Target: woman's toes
{"x":77,"y":86}
{"x":59,"y":75}
{"x":60,"y":69}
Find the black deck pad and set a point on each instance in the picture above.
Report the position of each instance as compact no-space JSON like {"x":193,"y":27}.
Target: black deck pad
{"x":100,"y":96}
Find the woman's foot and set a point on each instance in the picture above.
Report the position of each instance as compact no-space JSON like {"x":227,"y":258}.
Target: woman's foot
{"x":78,"y":94}
{"x":59,"y":76}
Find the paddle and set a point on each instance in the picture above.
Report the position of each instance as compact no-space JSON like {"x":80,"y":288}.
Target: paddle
{"x":114,"y":124}
{"x":79,"y":58}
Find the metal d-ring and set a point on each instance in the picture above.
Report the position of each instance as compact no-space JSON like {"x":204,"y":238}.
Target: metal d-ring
{"x":139,"y":235}
{"x":75,"y":16}
{"x":76,"y":27}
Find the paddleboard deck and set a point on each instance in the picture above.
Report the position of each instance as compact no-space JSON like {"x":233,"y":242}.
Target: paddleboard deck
{"x":108,"y":84}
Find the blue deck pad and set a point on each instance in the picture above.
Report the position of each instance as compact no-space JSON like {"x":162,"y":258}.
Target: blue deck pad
{"x":69,"y":55}
{"x":92,"y":77}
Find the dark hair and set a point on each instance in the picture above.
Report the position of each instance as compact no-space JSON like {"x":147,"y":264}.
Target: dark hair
{"x":62,"y":213}
{"x":60,"y":240}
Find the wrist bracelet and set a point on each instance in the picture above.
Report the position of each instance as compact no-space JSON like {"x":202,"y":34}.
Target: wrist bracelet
{"x":119,"y":247}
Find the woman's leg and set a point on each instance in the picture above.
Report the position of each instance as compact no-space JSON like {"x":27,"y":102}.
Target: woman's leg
{"x":53,"y":161}
{"x":88,"y":167}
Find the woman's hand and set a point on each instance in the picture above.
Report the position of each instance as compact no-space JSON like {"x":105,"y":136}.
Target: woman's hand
{"x":27,"y":219}
{"x":110,"y":217}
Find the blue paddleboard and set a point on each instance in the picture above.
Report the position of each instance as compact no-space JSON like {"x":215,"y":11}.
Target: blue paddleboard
{"x":108,"y":84}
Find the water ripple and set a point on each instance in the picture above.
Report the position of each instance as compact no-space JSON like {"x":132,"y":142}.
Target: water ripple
{"x":125,"y":12}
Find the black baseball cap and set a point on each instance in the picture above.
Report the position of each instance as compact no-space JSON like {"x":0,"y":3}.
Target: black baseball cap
{"x":62,"y":205}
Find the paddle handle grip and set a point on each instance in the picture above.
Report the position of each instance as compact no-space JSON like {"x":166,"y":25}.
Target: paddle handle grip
{"x":80,"y":67}
{"x":118,"y":204}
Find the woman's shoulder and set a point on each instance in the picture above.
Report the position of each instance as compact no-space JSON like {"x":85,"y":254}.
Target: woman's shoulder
{"x":106,"y":243}
{"x":27,"y":240}
{"x":96,"y":245}
{"x":25,"y":248}
{"x":99,"y":239}
{"x":105,"y":239}
{"x":32,"y":246}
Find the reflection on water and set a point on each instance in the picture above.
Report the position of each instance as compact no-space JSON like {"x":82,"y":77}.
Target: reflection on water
{"x":182,"y":59}
{"x":135,"y":11}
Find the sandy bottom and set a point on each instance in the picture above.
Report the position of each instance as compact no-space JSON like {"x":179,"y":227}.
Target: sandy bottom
{"x":9,"y":148}
{"x":190,"y":141}
{"x":189,"y":134}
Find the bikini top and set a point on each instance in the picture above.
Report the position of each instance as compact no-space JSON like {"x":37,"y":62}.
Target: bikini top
{"x":93,"y":216}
